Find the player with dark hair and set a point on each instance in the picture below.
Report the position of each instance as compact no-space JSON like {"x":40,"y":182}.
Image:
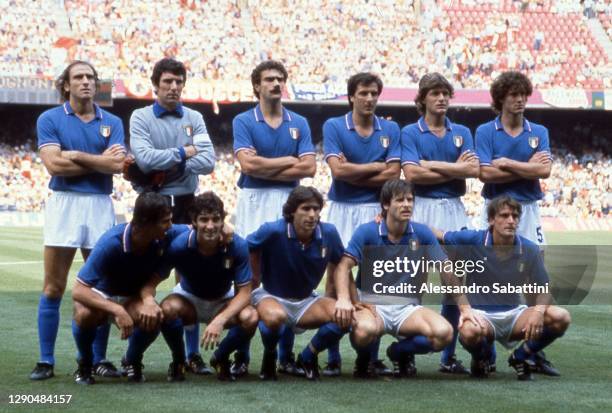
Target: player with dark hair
{"x":289,"y":257}
{"x":420,"y":330}
{"x":508,"y":258}
{"x":208,"y":268}
{"x":437,"y":156}
{"x":119,"y":280}
{"x":514,"y":155}
{"x":274,"y":148}
{"x":363,"y":152}
{"x":82,"y":146}
{"x":171,"y":146}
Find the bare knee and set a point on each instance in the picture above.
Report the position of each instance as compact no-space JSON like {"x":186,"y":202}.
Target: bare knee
{"x":364,"y":333}
{"x":87,"y":318}
{"x":248,"y":318}
{"x":441,"y":335}
{"x":560,"y":319}
{"x":54,"y":289}
{"x":273,"y":318}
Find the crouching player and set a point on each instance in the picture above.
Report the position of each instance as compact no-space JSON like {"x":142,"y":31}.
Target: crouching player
{"x":420,"y":330}
{"x":208,"y":267}
{"x":119,"y":280}
{"x":515,"y":261}
{"x":290,"y":256}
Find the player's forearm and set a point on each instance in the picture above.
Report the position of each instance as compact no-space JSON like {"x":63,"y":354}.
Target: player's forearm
{"x":342,"y":279}
{"x":391,"y":172}
{"x":529,"y":170}
{"x":65,"y":167}
{"x":261,"y":167}
{"x":303,"y":169}
{"x":492,"y":175}
{"x":235,"y":305}
{"x":86,"y":296}
{"x":201,"y":164}
{"x":422,"y":176}
{"x":147,"y":292}
{"x":355,"y":173}
{"x":255,"y":260}
{"x":449,"y":279}
{"x":149,"y":159}
{"x":106,"y":164}
{"x":458,"y":170}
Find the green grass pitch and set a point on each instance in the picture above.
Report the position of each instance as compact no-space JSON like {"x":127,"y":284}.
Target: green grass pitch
{"x":583,"y":356}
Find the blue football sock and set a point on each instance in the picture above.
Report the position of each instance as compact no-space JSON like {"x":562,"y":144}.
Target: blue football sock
{"x":101,"y":343}
{"x":528,"y":348}
{"x":333,"y":353}
{"x":192,"y":339}
{"x":84,"y":338}
{"x":245,"y":351}
{"x":173,"y":334}
{"x":285,"y":345}
{"x":270,"y":337}
{"x":418,"y":344}
{"x":138,"y":343}
{"x":48,"y":324}
{"x":365,"y":352}
{"x":374,"y":349}
{"x":235,"y":338}
{"x":492,"y":353}
{"x":327,"y":335}
{"x":451,"y":313}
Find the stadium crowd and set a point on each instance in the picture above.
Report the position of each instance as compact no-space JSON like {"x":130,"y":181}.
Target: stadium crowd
{"x":579,"y":186}
{"x":465,"y":39}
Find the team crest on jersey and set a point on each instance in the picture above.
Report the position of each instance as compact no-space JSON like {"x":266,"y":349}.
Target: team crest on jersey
{"x":105,"y":130}
{"x":295,"y":133}
{"x":458,"y":141}
{"x":384,"y":141}
{"x":188,"y":130}
{"x":534,"y":141}
{"x":228,"y":262}
{"x":414,"y":244}
{"x":323,"y":252}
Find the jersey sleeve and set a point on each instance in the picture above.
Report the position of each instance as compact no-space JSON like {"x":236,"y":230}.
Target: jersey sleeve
{"x":433,"y":248}
{"x":464,"y":237}
{"x":204,"y":161}
{"x":46,"y":132}
{"x":242,"y":136}
{"x":336,"y":249}
{"x":305,"y":146}
{"x":331,"y":141}
{"x":242,"y":268}
{"x":96,"y":267}
{"x":484,"y":145}
{"x":544,"y":144}
{"x":408,"y":142}
{"x":468,"y":141}
{"x":117,"y":136}
{"x":357,"y":244}
{"x":538,"y":273}
{"x":394,"y":152}
{"x":256,"y":239}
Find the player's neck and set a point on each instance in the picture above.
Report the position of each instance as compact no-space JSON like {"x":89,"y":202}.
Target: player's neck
{"x":140,"y":240}
{"x":82,"y":107}
{"x":500,"y":240}
{"x":435,"y":121}
{"x":512,"y":121}
{"x":363,"y":121}
{"x":303,"y":235}
{"x":271,"y":109}
{"x":170,"y":107}
{"x":395,"y":229}
{"x":207,"y":248}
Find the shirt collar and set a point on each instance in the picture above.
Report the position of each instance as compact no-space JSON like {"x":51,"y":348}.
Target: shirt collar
{"x":424,"y":128}
{"x":488,"y":242}
{"x":383,"y":231}
{"x":161,"y":111}
{"x":259,"y":117}
{"x":350,"y":125}
{"x":499,"y":126}
{"x":69,"y":111}
{"x":292,"y":235}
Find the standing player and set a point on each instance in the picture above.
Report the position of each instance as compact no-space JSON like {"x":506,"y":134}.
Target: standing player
{"x":81,"y":146}
{"x":509,"y":259}
{"x":208,"y":268}
{"x":419,"y":329}
{"x":119,"y":279}
{"x":363,"y":152}
{"x":514,"y":155}
{"x":170,"y":140}
{"x":289,"y":257}
{"x":437,"y":157}
{"x":274,"y":148}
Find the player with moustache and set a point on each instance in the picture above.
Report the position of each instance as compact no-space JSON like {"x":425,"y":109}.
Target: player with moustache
{"x":363,"y":152}
{"x":419,"y":330}
{"x":215,"y":288}
{"x":289,"y":257}
{"x":118,"y":282}
{"x":81,"y":146}
{"x":437,"y":157}
{"x":509,"y":259}
{"x":274,"y":148}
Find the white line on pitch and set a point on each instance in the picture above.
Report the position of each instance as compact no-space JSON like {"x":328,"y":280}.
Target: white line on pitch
{"x":31,"y":262}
